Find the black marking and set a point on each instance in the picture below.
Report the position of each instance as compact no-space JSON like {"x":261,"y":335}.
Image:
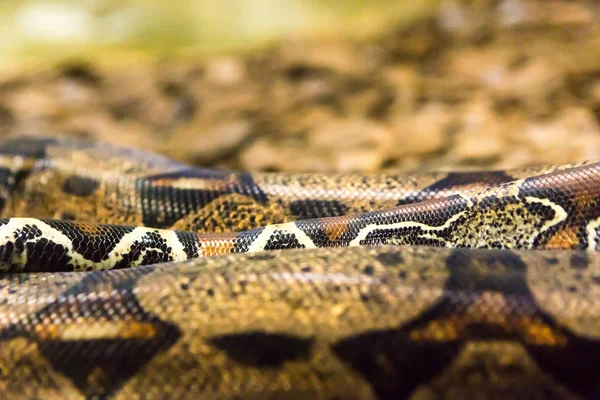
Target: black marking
{"x":156,"y":249}
{"x":43,"y":255}
{"x":6,"y":252}
{"x":80,"y":186}
{"x":308,"y":209}
{"x":188,"y":240}
{"x":90,"y":364}
{"x":313,"y":228}
{"x":7,"y":184}
{"x":93,"y":247}
{"x":27,"y":147}
{"x":409,"y":235}
{"x":457,"y":180}
{"x":575,"y":365}
{"x":243,"y":240}
{"x":280,"y":240}
{"x":27,"y":232}
{"x":477,"y":270}
{"x":395,"y":364}
{"x":405,"y":236}
{"x":157,"y":199}
{"x":263,"y":350}
{"x":392,"y":363}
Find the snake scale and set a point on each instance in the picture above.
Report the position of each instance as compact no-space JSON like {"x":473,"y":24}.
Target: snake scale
{"x":432,"y":285}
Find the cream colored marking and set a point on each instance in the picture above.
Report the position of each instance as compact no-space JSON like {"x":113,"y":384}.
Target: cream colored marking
{"x":324,"y":278}
{"x":559,"y":213}
{"x":124,"y":246}
{"x":432,"y":237}
{"x":592,"y":236}
{"x":362,"y":234}
{"x":466,"y":198}
{"x":325,"y":193}
{"x":263,"y":238}
{"x":195,"y":183}
{"x":513,"y":189}
{"x":7,"y":230}
{"x":504,"y":190}
{"x":77,"y":260}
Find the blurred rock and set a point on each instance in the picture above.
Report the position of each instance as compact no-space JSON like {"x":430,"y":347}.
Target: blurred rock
{"x":553,"y":141}
{"x":532,"y":13}
{"x":225,"y":71}
{"x":426,"y":131}
{"x":33,"y":103}
{"x":486,"y":83}
{"x":212,"y":143}
{"x":354,"y":144}
{"x":481,"y":135}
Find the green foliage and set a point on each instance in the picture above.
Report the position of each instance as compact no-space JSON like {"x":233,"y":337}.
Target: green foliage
{"x":55,"y":27}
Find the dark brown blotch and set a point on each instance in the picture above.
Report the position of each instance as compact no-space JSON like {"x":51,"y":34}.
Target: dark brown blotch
{"x":390,"y":259}
{"x":262,"y":256}
{"x":80,"y":186}
{"x":263,"y":350}
{"x":392,"y":364}
{"x":552,"y":260}
{"x":579,"y":260}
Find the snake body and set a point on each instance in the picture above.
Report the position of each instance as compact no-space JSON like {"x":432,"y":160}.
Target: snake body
{"x":480,"y":284}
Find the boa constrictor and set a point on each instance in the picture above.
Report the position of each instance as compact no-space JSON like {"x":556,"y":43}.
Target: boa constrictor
{"x":461,"y":285}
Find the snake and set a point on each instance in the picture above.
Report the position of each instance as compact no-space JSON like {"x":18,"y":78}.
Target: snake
{"x":128,"y":275}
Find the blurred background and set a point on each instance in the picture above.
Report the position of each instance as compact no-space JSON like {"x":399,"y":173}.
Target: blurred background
{"x":310,"y":85}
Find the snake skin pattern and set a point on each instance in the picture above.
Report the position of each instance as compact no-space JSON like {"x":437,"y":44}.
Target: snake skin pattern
{"x":460,"y":285}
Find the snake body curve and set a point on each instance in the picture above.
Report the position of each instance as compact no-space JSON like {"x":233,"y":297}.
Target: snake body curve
{"x":481,"y":284}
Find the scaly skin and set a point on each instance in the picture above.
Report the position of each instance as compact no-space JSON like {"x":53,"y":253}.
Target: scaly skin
{"x":353,"y":322}
{"x":557,"y":210}
{"x":360,"y":323}
{"x":98,"y":183}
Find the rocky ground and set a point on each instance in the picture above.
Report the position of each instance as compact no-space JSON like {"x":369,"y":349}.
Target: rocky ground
{"x":478,"y":84}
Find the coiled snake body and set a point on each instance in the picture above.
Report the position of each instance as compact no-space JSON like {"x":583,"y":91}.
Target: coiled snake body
{"x":425,"y":286}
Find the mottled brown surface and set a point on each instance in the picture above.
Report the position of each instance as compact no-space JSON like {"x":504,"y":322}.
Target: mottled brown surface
{"x":492,"y":83}
{"x":427,"y":323}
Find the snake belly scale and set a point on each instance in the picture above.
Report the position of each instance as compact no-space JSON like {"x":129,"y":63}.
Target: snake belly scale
{"x":120,"y":280}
